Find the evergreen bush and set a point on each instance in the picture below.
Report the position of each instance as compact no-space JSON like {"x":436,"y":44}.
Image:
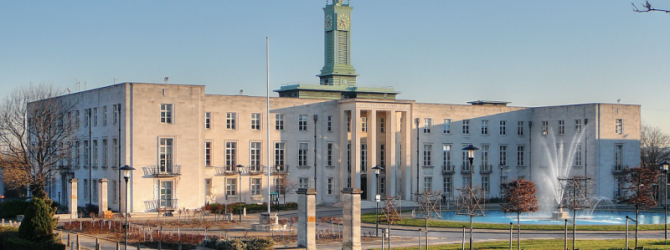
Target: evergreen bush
{"x":38,"y":223}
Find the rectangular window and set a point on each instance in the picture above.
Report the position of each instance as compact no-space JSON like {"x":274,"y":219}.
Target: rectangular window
{"x":446,"y":186}
{"x":95,"y":117}
{"x":302,"y":154}
{"x":208,"y":117}
{"x":381,"y":125}
{"x":503,"y":155}
{"x":95,"y":153}
{"x":447,"y":126}
{"x":466,"y":161}
{"x":86,"y":187}
{"x":618,"y":156}
{"x":279,"y":121}
{"x":619,"y":126}
{"x":364,"y":124}
{"x":255,"y":156}
{"x":427,"y":155}
{"x":466,"y":127}
{"x":382,"y":185}
{"x":330,"y":123}
{"x":364,"y":157}
{"x":94,"y":189}
{"x":427,"y":124}
{"x":348,"y":124}
{"x":545,"y":127}
{"x":519,"y":155}
{"x":330,"y":185}
{"x":86,"y":153}
{"x":561,"y":127}
{"x":578,"y":126}
{"x":104,"y":152}
{"x":578,"y":155}
{"x":427,"y":184}
{"x":76,"y":153}
{"x":519,"y":128}
{"x":485,"y":156}
{"x":256,"y":186}
{"x":208,"y":153}
{"x":349,"y":181}
{"x":104,"y":115}
{"x":280,"y":157}
{"x":87,"y":118}
{"x":485,"y":127}
{"x":231,"y":156}
{"x":503,"y":127}
{"x":304,"y":182}
{"x":115,"y":197}
{"x":485,"y":184}
{"x":349,"y":157}
{"x":115,"y":145}
{"x":256,"y":121}
{"x":230,"y":120}
{"x":76,"y":118}
{"x":467,"y":180}
{"x":446,"y":157}
{"x":166,"y":194}
{"x":231,"y":186}
{"x":302,"y":122}
{"x":115,"y":117}
{"x":330,"y":154}
{"x":166,"y":113}
{"x":208,"y":188}
{"x":382,"y":155}
{"x":165,"y":155}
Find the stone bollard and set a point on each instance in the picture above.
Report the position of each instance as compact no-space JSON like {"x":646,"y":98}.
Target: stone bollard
{"x":3,"y":222}
{"x":68,"y":239}
{"x":60,"y":235}
{"x":180,"y":248}
{"x":118,"y":246}
{"x":78,"y":246}
{"x":97,"y":243}
{"x":71,"y":246}
{"x":138,"y":246}
{"x":159,"y":246}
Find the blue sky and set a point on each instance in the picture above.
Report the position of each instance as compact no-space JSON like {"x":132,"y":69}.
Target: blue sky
{"x":531,"y":53}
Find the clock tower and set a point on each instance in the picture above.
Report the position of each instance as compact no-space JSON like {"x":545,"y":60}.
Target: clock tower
{"x":337,"y":69}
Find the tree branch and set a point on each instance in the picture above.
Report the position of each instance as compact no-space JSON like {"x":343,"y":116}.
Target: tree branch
{"x":647,"y":8}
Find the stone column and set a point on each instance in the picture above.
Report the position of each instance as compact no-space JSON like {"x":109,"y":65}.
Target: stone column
{"x":307,"y":218}
{"x":355,"y":148}
{"x":407,"y":123}
{"x":72,"y":194}
{"x":102,"y":196}
{"x":351,"y":209}
{"x":372,"y":154}
{"x":391,"y":158}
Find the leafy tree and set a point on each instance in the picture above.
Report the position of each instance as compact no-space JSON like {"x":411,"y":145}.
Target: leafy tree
{"x":519,"y":197}
{"x":39,"y":222}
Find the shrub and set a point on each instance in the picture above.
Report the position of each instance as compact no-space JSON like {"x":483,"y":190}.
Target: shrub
{"x":12,"y":208}
{"x":260,"y":243}
{"x":9,"y":240}
{"x":38,"y":224}
{"x":90,"y":208}
{"x":239,"y":244}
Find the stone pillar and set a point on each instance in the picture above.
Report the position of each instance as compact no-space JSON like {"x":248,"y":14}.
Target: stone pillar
{"x":372,"y":154}
{"x":307,"y":218}
{"x":102,"y":196}
{"x":355,"y":148}
{"x":391,"y":147}
{"x":72,"y":194}
{"x":351,"y":209}
{"x":407,"y":123}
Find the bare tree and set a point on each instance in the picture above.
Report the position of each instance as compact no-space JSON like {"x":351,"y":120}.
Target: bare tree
{"x":655,"y":146}
{"x":640,"y":191}
{"x":519,"y":197}
{"x":287,"y":187}
{"x":646,"y":7}
{"x":37,"y":134}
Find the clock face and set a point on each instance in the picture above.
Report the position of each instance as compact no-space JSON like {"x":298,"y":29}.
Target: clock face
{"x":328,"y":22}
{"x":343,"y":22}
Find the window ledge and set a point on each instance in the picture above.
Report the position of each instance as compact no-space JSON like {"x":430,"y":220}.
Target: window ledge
{"x":304,"y":167}
{"x":578,"y":167}
{"x":428,"y":166}
{"x":329,"y":166}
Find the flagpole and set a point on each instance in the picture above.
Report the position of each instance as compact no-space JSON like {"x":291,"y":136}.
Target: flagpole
{"x":267,"y":118}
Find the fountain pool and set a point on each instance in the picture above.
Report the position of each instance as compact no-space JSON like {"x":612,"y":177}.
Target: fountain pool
{"x":583,"y":218}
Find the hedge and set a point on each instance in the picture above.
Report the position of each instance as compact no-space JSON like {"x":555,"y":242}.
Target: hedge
{"x":239,"y":244}
{"x":9,"y":240}
{"x":12,"y":208}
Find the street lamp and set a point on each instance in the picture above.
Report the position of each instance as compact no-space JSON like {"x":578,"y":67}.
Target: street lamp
{"x":316,"y":117}
{"x":664,"y":168}
{"x":416,"y":122}
{"x":377,"y":169}
{"x":278,"y":183}
{"x":126,"y":175}
{"x":239,"y":196}
{"x":471,"y":157}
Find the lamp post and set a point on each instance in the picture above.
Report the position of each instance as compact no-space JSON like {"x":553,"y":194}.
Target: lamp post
{"x":471,"y":157}
{"x":416,"y":122}
{"x":278,"y":183}
{"x":501,"y":180}
{"x":239,"y":196}
{"x":664,"y":168}
{"x":316,"y":117}
{"x":126,"y":175}
{"x":377,"y":198}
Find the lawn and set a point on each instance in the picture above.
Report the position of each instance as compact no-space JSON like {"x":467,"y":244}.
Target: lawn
{"x":370,"y":218}
{"x":558,"y":244}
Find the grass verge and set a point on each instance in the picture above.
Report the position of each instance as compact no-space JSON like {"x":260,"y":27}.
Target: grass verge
{"x":556,"y":244}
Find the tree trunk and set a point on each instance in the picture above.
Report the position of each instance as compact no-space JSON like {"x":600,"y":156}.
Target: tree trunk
{"x":518,"y":231}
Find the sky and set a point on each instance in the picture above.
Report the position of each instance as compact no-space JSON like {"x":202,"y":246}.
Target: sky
{"x":530,"y":53}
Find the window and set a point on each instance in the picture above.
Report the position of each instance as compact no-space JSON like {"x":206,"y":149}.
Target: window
{"x":349,"y":157}
{"x":166,"y":194}
{"x":446,"y":156}
{"x":256,"y":121}
{"x":166,"y":113}
{"x":230,"y":120}
{"x":561,"y":127}
{"x":503,"y":155}
{"x":255,"y":156}
{"x":94,"y":189}
{"x":381,"y":125}
{"x":485,"y":184}
{"x":302,"y":123}
{"x":545,"y":127}
{"x":485,"y":127}
{"x":86,"y":187}
{"x":231,"y":156}
{"x":619,"y":126}
{"x":208,"y":188}
{"x":330,"y":185}
{"x":88,"y":117}
{"x":427,"y":123}
{"x":578,"y":126}
{"x":76,"y":118}
{"x":519,"y":155}
{"x":86,"y":153}
{"x":364,"y":124}
{"x":115,"y":197}
{"x":618,"y":156}
{"x":165,"y":154}
{"x":427,"y":184}
{"x":364,"y":157}
{"x":256,"y":186}
{"x":578,"y":155}
{"x":466,"y":161}
{"x":349,"y":181}
{"x":208,"y":153}
{"x":231,"y":186}
{"x":115,"y":117}
{"x":302,"y":154}
{"x":208,"y":116}
{"x":330,"y":123}
{"x":446,"y":185}
{"x":115,"y":145}
{"x":330,"y":154}
{"x":382,"y":185}
{"x":104,"y":152}
{"x":76,"y":153}
{"x":519,"y":128}
{"x":279,"y":121}
{"x":466,"y":127}
{"x":304,"y":182}
{"x":503,"y":127}
{"x":95,"y":117}
{"x":426,"y":155}
{"x":348,"y":123}
{"x":382,"y":155}
{"x":466,"y":181}
{"x":104,"y":115}
{"x":485,"y":156}
{"x":280,"y":157}
{"x":447,"y":126}
{"x":95,"y":153}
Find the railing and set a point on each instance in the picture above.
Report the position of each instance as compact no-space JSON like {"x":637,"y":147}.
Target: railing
{"x":465,"y":169}
{"x":619,"y":169}
{"x":283,"y":169}
{"x":486,"y":169}
{"x":226,"y":170}
{"x":448,"y":169}
{"x":256,"y":170}
{"x":162,"y":171}
{"x":162,"y":203}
